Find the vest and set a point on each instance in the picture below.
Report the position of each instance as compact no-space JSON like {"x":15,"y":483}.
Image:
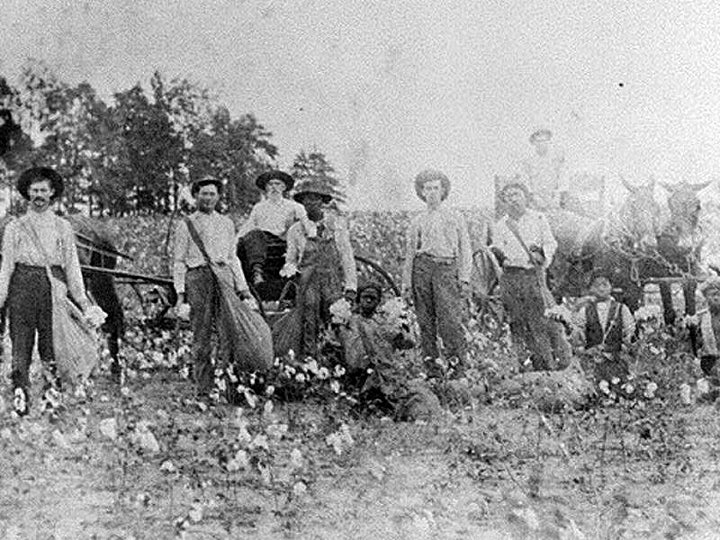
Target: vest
{"x":612,"y":336}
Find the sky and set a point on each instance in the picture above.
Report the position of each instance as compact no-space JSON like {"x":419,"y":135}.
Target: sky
{"x":386,"y":89}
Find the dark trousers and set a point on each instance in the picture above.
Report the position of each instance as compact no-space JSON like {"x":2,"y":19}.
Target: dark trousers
{"x":439,"y":306}
{"x":523,"y":299}
{"x":256,"y":246}
{"x":204,"y":298}
{"x":30,"y":313}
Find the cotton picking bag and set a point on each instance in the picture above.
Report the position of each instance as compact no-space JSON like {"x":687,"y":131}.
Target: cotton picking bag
{"x":248,"y":335}
{"x":75,"y":341}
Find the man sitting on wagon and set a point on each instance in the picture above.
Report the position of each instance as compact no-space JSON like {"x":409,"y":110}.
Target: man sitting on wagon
{"x":544,"y":175}
{"x":269,"y":221}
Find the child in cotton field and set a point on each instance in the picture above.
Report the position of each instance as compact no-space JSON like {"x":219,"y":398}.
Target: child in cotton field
{"x":604,"y":323}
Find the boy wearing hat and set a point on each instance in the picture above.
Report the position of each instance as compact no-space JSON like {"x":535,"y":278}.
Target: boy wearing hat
{"x":437,"y":268}
{"x":29,"y":243}
{"x":269,"y":220}
{"x":544,"y":173}
{"x":602,"y":320}
{"x":323,"y":257}
{"x":193,"y":279}
{"x":524,"y":245}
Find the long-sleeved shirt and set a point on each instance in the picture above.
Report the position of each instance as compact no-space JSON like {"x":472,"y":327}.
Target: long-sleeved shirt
{"x":58,"y":241}
{"x":603,"y":308}
{"x":297,"y":239}
{"x":440,"y":233}
{"x":544,"y":176}
{"x":218,"y":235}
{"x":274,"y":217}
{"x":534,"y":229}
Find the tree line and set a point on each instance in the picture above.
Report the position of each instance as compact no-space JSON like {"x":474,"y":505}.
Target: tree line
{"x":136,"y":154}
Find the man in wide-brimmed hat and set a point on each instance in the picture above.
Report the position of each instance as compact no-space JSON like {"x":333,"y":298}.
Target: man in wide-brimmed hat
{"x":30,"y":243}
{"x":544,"y":173}
{"x":322,"y":256}
{"x":269,"y":221}
{"x":438,"y":262}
{"x":524,"y":245}
{"x":194,"y":280}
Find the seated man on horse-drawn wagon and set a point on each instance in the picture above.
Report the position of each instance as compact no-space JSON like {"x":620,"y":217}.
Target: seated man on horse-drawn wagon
{"x":268,"y":224}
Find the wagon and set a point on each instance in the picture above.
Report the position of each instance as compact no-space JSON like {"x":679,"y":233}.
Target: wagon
{"x":277,"y":294}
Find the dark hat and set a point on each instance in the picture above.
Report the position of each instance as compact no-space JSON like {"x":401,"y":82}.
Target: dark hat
{"x":430,"y":175}
{"x":314,"y":186}
{"x":541,"y":135}
{"x":516,"y":184}
{"x":204,"y":181}
{"x":262,"y":180}
{"x":599,"y":273}
{"x":39,"y":174}
{"x":370,"y":285}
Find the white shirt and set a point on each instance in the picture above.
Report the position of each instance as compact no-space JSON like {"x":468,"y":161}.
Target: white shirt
{"x":217,"y":233}
{"x":275,"y":217}
{"x":545,"y":178}
{"x":534,"y":229}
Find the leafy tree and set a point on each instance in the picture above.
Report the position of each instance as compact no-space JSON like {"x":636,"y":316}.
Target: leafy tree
{"x":314,"y":165}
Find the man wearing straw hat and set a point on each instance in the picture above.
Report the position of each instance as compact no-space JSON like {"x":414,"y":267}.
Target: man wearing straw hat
{"x":524,"y":245}
{"x":30,"y":243}
{"x":437,"y":268}
{"x":193,"y":278}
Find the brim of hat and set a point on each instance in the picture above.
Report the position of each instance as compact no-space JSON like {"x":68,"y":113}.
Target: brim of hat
{"x":299,"y":196}
{"x":38,"y":174}
{"x":195,"y":187}
{"x":262,"y":180}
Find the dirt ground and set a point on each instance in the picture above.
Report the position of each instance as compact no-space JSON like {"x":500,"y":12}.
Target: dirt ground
{"x":483,"y":471}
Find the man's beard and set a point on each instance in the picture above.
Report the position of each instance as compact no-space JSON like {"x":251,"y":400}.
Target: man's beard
{"x":315,"y":214}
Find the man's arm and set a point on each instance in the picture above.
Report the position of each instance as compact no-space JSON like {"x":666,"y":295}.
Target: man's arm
{"x":342,"y":237}
{"x":465,"y":251}
{"x":549,"y":244}
{"x":250,"y":224}
{"x":8,"y":259}
{"x":182,"y":237}
{"x":410,"y":249}
{"x":233,"y":261}
{"x":292,"y":253}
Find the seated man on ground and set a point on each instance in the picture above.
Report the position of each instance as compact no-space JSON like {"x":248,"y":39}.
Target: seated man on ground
{"x":269,"y":221}
{"x":604,"y":323}
{"x":372,"y":339}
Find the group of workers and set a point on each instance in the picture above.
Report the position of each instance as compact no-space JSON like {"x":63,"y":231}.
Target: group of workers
{"x":319,"y":257}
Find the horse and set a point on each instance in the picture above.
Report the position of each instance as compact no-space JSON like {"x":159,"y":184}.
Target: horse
{"x":95,"y":249}
{"x":636,"y":245}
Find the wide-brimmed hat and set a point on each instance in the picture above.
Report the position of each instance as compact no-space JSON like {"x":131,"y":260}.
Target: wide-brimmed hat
{"x":543,"y":134}
{"x":262,"y":180}
{"x":38,"y":174}
{"x":204,"y":181}
{"x":431,"y":175}
{"x":314,"y":186}
{"x":710,"y":284}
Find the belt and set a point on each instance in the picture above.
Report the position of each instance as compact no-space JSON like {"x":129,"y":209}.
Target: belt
{"x":437,"y":259}
{"x":36,"y":268}
{"x":518,"y":270}
{"x":206,"y":266}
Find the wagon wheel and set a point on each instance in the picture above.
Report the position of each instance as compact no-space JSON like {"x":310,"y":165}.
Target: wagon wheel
{"x":371,"y":270}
